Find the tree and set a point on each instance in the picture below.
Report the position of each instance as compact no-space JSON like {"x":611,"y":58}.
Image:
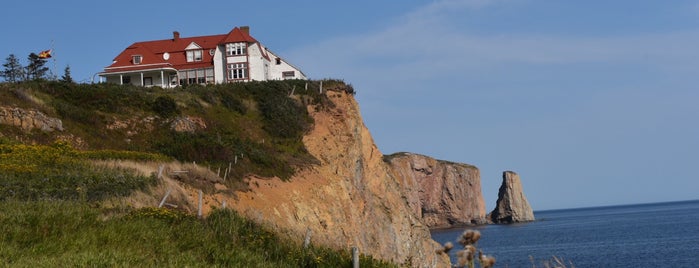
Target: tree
{"x":36,"y":68}
{"x":66,"y":75}
{"x":14,"y":72}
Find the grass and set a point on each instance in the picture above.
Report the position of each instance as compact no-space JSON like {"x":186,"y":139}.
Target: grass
{"x":59,"y":172}
{"x":55,"y":199}
{"x":72,"y":234}
{"x":260,"y":123}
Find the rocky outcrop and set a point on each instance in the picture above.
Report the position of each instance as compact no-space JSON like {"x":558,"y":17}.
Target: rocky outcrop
{"x":29,"y":119}
{"x":442,"y":193}
{"x":349,"y":199}
{"x":511,"y":206}
{"x":187,"y":124}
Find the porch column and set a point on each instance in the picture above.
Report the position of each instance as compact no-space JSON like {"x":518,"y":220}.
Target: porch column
{"x":162,"y":79}
{"x":142,"y":84}
{"x":121,"y":79}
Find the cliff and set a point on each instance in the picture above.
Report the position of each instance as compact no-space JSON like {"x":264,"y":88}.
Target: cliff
{"x":442,"y":193}
{"x":317,"y":169}
{"x":512,"y":206}
{"x":349,"y":199}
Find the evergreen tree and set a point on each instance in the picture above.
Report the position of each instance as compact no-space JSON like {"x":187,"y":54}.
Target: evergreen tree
{"x":36,"y":68}
{"x":66,"y":75}
{"x":14,"y":72}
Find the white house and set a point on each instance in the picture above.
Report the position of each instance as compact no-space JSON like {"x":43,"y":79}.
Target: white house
{"x":225,"y":58}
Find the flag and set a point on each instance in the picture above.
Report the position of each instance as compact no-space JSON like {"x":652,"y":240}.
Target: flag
{"x":45,"y":54}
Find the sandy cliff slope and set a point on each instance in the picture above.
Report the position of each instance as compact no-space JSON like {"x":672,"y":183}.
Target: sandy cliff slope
{"x":349,"y":199}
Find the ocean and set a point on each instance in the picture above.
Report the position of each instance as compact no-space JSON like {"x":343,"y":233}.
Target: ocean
{"x":645,"y":235}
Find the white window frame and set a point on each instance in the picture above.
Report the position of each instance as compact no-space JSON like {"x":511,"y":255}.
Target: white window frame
{"x":236,"y":49}
{"x":237,"y":71}
{"x":137,"y":59}
{"x":194,"y":55}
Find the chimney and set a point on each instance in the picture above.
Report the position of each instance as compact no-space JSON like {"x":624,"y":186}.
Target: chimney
{"x":245,"y":29}
{"x":175,"y":36}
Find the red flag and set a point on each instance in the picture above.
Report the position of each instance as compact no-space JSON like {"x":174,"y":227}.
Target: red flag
{"x":45,"y":54}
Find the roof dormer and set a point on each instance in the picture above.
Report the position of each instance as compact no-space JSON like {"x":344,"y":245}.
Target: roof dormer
{"x":194,"y":52}
{"x":136,"y":59}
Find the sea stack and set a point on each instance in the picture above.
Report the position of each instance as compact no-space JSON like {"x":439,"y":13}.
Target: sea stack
{"x":512,"y":206}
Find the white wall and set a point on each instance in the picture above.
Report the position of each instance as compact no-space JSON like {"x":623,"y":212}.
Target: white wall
{"x":220,"y":74}
{"x":256,"y":66}
{"x":276,"y":70}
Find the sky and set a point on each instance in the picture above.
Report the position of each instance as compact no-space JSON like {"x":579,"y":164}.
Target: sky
{"x":592,"y":103}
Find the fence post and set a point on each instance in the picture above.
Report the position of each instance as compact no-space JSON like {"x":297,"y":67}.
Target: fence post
{"x":228,"y":171}
{"x":162,"y":202}
{"x":307,"y":240}
{"x":200,"y":201}
{"x":160,"y":171}
{"x":320,"y":89}
{"x":355,"y":257}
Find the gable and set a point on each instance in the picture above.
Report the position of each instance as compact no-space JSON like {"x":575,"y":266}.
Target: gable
{"x":193,"y":45}
{"x":238,"y":35}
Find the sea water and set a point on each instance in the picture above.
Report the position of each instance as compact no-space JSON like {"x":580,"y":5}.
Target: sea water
{"x":646,"y":235}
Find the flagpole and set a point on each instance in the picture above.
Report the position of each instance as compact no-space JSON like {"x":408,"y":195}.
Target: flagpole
{"x":55,"y":77}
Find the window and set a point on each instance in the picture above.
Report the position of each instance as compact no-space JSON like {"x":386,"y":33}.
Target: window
{"x":278,"y":61}
{"x":289,"y":74}
{"x":148,"y":81}
{"x":193,"y":55}
{"x":194,"y":76}
{"x":126,"y":80}
{"x":173,"y":80}
{"x":237,"y":71}
{"x":234,"y":49}
{"x":201,"y":79}
{"x":212,"y":52}
{"x":191,"y":77}
{"x":210,"y":76}
{"x":136,"y":59}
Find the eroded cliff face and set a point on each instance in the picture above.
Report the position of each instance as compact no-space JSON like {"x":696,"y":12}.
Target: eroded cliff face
{"x":512,"y":206}
{"x":349,"y":199}
{"x":442,"y":193}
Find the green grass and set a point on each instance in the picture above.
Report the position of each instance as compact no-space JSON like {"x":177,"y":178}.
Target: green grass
{"x":72,"y":234}
{"x":257,"y":121}
{"x":59,"y":172}
{"x":51,"y":193}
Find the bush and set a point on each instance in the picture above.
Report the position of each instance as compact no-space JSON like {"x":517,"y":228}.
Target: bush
{"x":165,"y":106}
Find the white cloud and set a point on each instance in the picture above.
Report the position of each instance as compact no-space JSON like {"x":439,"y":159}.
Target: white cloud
{"x":427,"y":43}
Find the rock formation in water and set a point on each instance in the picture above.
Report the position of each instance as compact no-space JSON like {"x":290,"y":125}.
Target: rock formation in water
{"x":511,"y":206}
{"x":442,"y":193}
{"x":349,"y":199}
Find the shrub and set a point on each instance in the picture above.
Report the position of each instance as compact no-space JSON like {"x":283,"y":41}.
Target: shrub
{"x":165,"y":106}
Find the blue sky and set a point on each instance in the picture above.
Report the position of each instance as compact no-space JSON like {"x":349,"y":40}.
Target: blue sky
{"x":591,"y":102}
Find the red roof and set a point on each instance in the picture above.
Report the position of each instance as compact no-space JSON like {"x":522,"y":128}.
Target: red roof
{"x":152,"y":52}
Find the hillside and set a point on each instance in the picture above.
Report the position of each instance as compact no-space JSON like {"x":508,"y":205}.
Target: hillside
{"x":292,"y":157}
{"x":256,"y":123}
{"x":80,"y":167}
